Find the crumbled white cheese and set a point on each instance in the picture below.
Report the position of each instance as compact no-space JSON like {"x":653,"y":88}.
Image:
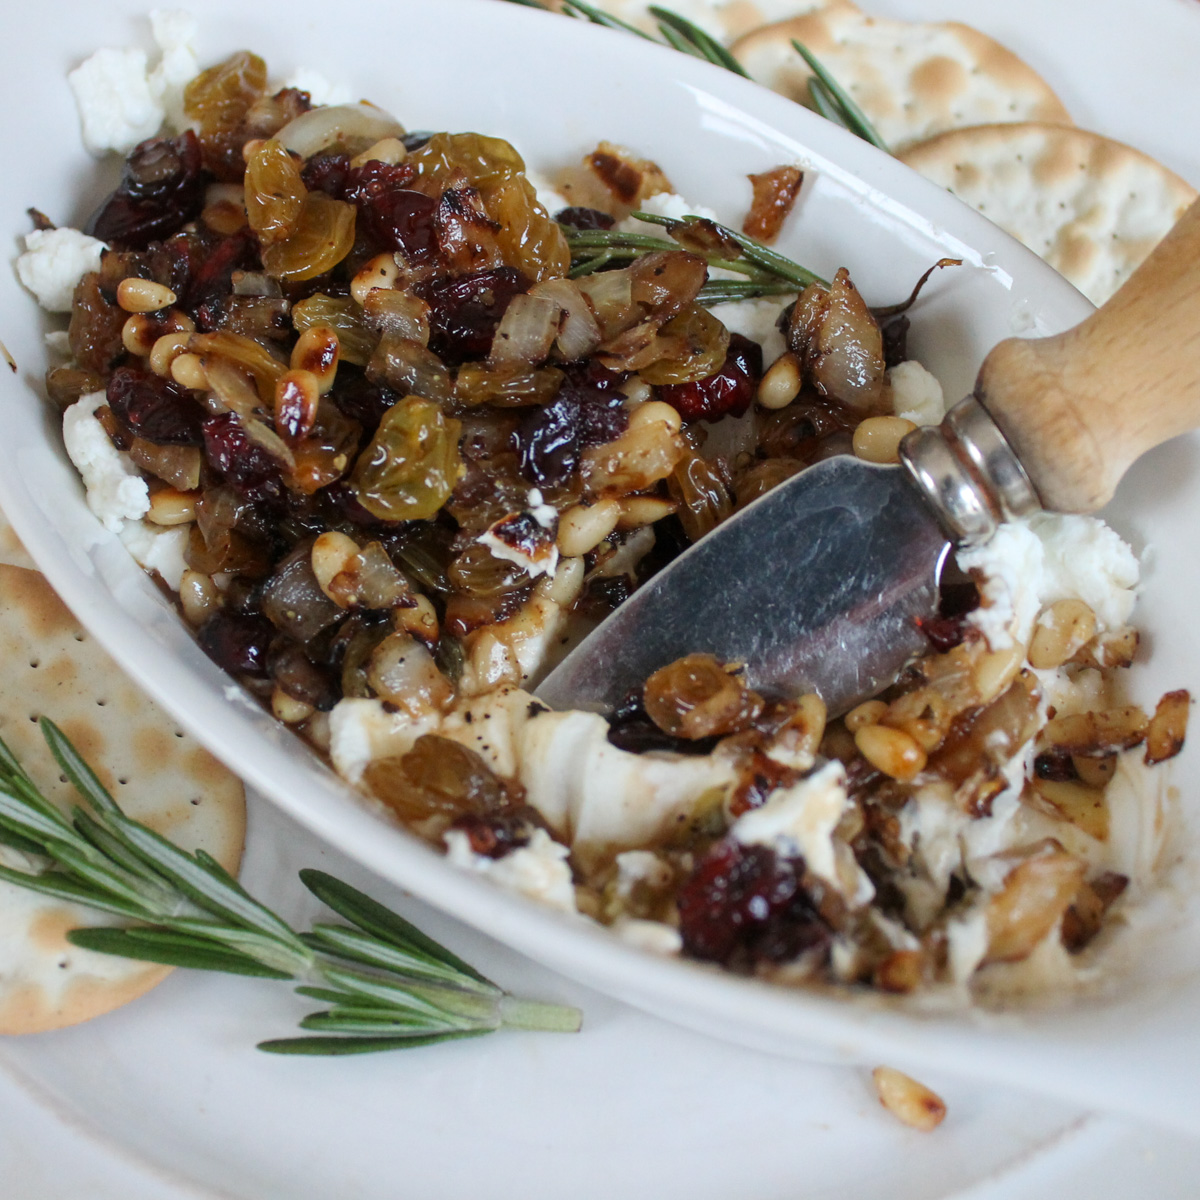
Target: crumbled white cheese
{"x":361,"y":730}
{"x":116,"y":104}
{"x":916,"y":394}
{"x":58,"y":343}
{"x":538,"y":870}
{"x":319,"y":89}
{"x":641,"y":867}
{"x":54,"y":262}
{"x":543,"y":563}
{"x":648,"y":935}
{"x":967,"y":943}
{"x":799,"y":821}
{"x":116,"y":491}
{"x":546,"y":515}
{"x":757,"y":320}
{"x":159,"y":549}
{"x":174,"y":31}
{"x":1048,"y":557}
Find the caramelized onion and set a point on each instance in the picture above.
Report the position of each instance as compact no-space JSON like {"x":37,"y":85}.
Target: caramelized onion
{"x":340,"y":125}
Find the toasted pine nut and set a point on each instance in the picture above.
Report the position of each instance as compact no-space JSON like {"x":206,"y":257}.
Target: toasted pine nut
{"x":994,"y":671}
{"x":224,"y":216}
{"x":909,"y":1101}
{"x":380,"y":272}
{"x":870,"y":712}
{"x":333,"y":554}
{"x":169,"y":506}
{"x":564,"y":588}
{"x":900,"y":972}
{"x":316,"y":350}
{"x":891,"y":751}
{"x":1062,"y":629}
{"x":144,"y":295}
{"x":288,"y":709}
{"x":1095,"y":772}
{"x":1116,"y":648}
{"x":781,"y":383}
{"x":585,"y":526}
{"x":655,"y":412}
{"x":166,"y":350}
{"x":387,"y":150}
{"x":138,"y":334}
{"x":877,"y":439}
{"x":297,"y":395}
{"x":637,"y":511}
{"x":199,"y":597}
{"x":420,"y":620}
{"x":635,"y":390}
{"x":188,"y":370}
{"x":922,"y":715}
{"x":811,"y":715}
{"x":1168,"y":727}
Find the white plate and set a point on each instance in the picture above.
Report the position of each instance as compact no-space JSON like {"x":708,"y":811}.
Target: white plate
{"x":36,"y":68}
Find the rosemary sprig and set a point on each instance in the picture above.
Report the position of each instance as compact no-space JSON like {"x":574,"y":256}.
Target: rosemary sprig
{"x":389,"y":986}
{"x":597,"y":16}
{"x":831,"y":100}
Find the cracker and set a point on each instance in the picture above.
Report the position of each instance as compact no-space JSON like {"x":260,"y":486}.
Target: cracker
{"x":725,"y":19}
{"x":158,"y":774}
{"x":1091,"y":207}
{"x":913,"y":80}
{"x":11,"y":550}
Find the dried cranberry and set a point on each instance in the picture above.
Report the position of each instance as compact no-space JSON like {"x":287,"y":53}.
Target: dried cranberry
{"x":746,"y":904}
{"x":154,"y":408}
{"x":327,"y":173}
{"x":630,"y":728}
{"x":237,"y":644}
{"x":465,"y":310}
{"x":161,"y":188}
{"x":240,"y":460}
{"x":727,"y":391}
{"x":212,"y":280}
{"x":361,"y":400}
{"x":498,"y":833}
{"x":390,"y":212}
{"x":943,"y":633}
{"x":587,"y":411}
{"x":584,"y":218}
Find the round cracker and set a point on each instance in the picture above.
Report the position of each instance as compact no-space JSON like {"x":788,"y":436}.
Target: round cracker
{"x":11,"y":550}
{"x":912,"y":80}
{"x":1091,"y":207}
{"x":158,"y":774}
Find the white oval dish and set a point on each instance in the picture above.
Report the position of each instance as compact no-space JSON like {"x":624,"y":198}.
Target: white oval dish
{"x":555,"y":87}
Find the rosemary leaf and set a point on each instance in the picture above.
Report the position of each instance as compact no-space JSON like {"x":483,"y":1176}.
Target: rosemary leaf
{"x":185,"y":952}
{"x":327,"y":1046}
{"x":63,"y":887}
{"x":89,"y":865}
{"x":373,"y":918}
{"x":362,"y":948}
{"x":19,"y":842}
{"x":264,"y":948}
{"x":112,"y":848}
{"x":76,"y":769}
{"x":729,"y":291}
{"x":341,"y":999}
{"x":374,"y":1023}
{"x":456,"y":1008}
{"x":611,"y":238}
{"x":823,"y":102}
{"x":852,"y":116}
{"x":696,"y":40}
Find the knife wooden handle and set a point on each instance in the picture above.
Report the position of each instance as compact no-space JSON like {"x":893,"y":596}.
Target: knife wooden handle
{"x":1081,"y":407}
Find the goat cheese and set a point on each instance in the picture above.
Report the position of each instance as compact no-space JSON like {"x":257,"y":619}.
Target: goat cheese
{"x":116,"y":491}
{"x":538,"y":870}
{"x":54,"y":262}
{"x":116,"y":104}
{"x":158,"y":549}
{"x":916,"y":394}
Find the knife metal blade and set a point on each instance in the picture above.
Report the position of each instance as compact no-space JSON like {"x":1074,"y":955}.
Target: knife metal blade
{"x":817,"y":586}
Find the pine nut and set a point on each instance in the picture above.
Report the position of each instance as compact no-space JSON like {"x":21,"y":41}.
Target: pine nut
{"x":380,"y":272}
{"x":333,"y":554}
{"x":138,"y":334}
{"x":877,"y":439}
{"x":317,"y":351}
{"x":188,"y":370}
{"x":199,"y":597}
{"x":144,"y":295}
{"x":1168,"y":727}
{"x":870,"y":712}
{"x":288,"y":709}
{"x":636,"y":391}
{"x":994,"y":671}
{"x":585,"y":526}
{"x":922,"y":715}
{"x":1115,"y":648}
{"x":169,"y":506}
{"x":166,"y":350}
{"x":891,"y":751}
{"x":297,"y":395}
{"x":781,"y":384}
{"x":387,"y":150}
{"x":1062,"y":630}
{"x":1095,"y":772}
{"x":564,"y":588}
{"x":224,"y":216}
{"x":637,"y":511}
{"x":655,"y":412}
{"x":420,"y":620}
{"x":909,"y":1101}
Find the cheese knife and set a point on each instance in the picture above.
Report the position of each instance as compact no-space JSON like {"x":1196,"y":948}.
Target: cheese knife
{"x":823,"y":583}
